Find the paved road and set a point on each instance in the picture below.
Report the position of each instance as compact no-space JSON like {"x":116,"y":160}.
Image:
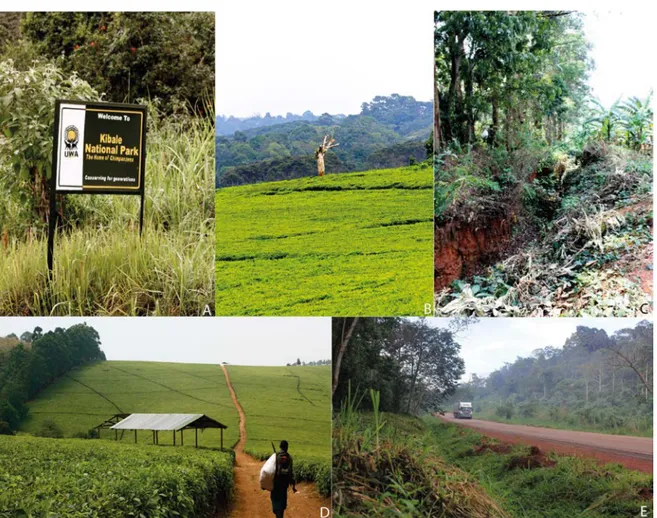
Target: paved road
{"x":632,"y":452}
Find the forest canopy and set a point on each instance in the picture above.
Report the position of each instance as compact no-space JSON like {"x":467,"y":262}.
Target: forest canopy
{"x":34,"y":360}
{"x":413,"y":365}
{"x":595,"y":379}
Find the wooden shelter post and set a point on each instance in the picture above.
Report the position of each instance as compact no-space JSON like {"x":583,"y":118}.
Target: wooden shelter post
{"x":182,"y":437}
{"x":174,"y":437}
{"x":222,"y":437}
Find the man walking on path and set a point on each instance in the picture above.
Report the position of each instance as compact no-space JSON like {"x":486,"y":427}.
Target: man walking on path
{"x":283,"y":478}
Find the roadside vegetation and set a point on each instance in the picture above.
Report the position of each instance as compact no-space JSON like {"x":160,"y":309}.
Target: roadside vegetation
{"x":595,"y":382}
{"x":527,"y":482}
{"x":543,"y":203}
{"x":94,"y":478}
{"x":101,"y":265}
{"x":390,"y":465}
{"x":353,"y":243}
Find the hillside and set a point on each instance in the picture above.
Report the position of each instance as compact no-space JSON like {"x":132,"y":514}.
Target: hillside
{"x":291,"y":403}
{"x":354,"y":243}
{"x":394,"y":128}
{"x":274,"y":408}
{"x":86,"y":397}
{"x":8,"y":342}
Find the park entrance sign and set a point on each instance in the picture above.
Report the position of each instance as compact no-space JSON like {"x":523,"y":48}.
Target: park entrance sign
{"x":98,"y":148}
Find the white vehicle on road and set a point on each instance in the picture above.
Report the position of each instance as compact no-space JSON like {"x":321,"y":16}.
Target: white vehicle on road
{"x":463,"y":410}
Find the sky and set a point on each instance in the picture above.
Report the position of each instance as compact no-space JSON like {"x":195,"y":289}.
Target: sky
{"x":331,"y":57}
{"x":491,"y":342}
{"x":621,"y":67}
{"x":239,"y":341}
{"x":326,"y":57}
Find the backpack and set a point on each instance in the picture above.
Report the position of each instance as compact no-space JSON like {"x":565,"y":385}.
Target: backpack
{"x":283,"y":464}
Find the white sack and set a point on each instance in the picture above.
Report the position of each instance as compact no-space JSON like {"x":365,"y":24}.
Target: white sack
{"x":267,"y":473}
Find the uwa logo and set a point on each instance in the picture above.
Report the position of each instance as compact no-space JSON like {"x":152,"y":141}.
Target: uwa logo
{"x":71,"y":138}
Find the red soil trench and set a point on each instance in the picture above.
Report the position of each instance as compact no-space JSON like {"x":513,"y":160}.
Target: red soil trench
{"x":461,"y":249}
{"x":249,"y":501}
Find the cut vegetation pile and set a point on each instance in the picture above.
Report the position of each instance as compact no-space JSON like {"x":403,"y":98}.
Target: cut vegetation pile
{"x":93,"y":478}
{"x":581,"y":241}
{"x":353,"y":243}
{"x":388,"y":465}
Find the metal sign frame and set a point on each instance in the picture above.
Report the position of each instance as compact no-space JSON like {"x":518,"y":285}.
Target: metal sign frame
{"x":140,"y":190}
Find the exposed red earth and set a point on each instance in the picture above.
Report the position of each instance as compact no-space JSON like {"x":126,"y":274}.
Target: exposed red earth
{"x":461,"y":249}
{"x":632,"y":452}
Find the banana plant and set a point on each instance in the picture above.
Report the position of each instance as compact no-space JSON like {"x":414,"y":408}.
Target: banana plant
{"x":604,"y":123}
{"x":636,"y":121}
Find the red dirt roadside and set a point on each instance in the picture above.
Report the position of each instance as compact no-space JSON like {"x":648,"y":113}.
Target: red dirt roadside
{"x":249,"y":500}
{"x":632,"y":452}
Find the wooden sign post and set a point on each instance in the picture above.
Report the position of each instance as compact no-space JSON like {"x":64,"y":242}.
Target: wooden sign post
{"x":98,"y":148}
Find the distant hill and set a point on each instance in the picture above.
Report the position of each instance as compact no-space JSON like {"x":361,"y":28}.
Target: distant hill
{"x":389,"y":132}
{"x":227,"y":125}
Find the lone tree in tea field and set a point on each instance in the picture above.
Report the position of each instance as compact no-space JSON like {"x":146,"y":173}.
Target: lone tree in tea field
{"x":321,"y":151}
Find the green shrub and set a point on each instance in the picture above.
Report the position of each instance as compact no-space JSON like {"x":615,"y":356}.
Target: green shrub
{"x":5,"y":429}
{"x":27,"y":100}
{"x":506,"y":411}
{"x":50,"y":429}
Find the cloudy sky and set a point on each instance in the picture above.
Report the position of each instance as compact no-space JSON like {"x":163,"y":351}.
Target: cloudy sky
{"x":331,"y":57}
{"x":320,"y":56}
{"x":240,"y":341}
{"x":492,"y":342}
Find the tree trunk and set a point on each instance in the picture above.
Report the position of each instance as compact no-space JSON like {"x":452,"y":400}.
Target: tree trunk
{"x":613,"y":382}
{"x":469,"y":110}
{"x":600,"y":380}
{"x":341,"y":350}
{"x":496,"y":121}
{"x":436,"y":111}
{"x":321,"y":170}
{"x":454,"y":92}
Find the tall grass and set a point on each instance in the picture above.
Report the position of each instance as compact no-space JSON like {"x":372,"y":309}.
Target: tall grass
{"x":389,"y":467}
{"x":102,"y":266}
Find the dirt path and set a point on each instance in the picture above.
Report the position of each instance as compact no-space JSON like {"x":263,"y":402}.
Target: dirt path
{"x":632,"y":452}
{"x":252,"y":502}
